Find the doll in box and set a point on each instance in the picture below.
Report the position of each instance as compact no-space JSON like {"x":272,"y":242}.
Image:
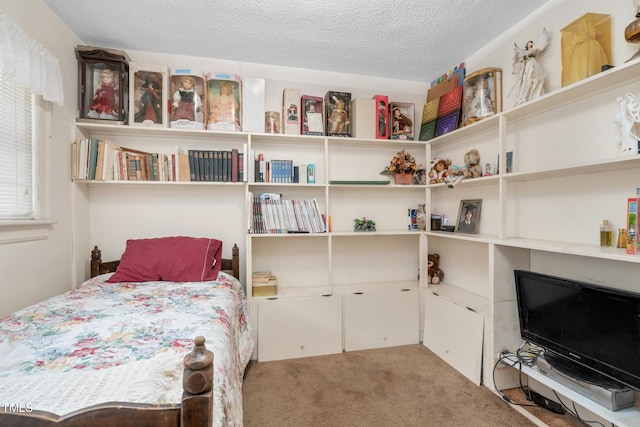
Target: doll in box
{"x":339,"y":118}
{"x":186,"y":103}
{"x":223,"y":107}
{"x":105,"y":99}
{"x":150,"y":103}
{"x":402,"y":125}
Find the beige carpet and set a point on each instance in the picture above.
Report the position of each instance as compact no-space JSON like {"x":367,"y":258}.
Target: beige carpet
{"x":399,"y":386}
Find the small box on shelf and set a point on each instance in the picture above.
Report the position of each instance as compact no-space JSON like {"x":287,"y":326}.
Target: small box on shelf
{"x":263,"y":284}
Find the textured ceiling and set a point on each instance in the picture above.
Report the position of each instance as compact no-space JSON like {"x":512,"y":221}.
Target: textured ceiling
{"x":405,"y":39}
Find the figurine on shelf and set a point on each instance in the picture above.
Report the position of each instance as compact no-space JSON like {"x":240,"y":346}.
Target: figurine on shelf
{"x":364,"y":224}
{"x":628,"y":114}
{"x":529,"y":74}
{"x":105,"y":99}
{"x":472,"y":169}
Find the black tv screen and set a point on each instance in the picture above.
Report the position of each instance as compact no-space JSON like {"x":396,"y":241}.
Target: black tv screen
{"x":594,"y":326}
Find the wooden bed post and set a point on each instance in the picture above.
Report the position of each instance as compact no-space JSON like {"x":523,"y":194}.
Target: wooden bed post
{"x":235,"y":261}
{"x":197,"y":382}
{"x":96,"y":260}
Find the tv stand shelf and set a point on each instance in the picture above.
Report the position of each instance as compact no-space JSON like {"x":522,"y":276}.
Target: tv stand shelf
{"x":627,"y":417}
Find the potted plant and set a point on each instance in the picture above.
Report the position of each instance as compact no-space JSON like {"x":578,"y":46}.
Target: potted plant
{"x":402,"y":167}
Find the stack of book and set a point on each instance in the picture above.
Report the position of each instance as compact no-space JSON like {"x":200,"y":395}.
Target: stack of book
{"x":263,"y":284}
{"x":271,"y":214}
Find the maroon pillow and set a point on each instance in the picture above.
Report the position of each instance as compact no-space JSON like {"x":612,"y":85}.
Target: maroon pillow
{"x":171,"y":259}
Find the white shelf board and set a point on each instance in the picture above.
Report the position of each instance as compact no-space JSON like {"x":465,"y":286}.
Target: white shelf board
{"x":610,"y":253}
{"x":147,"y":131}
{"x":607,"y":165}
{"x":627,"y":417}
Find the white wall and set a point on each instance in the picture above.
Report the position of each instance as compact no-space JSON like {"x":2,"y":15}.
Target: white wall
{"x":31,"y":271}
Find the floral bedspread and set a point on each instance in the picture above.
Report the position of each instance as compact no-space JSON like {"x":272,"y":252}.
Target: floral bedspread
{"x":104,"y":334}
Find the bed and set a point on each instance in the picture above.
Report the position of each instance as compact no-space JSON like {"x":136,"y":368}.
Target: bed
{"x":113,"y":351}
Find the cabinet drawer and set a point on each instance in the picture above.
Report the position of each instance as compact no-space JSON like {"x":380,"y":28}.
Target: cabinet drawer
{"x":454,"y":333}
{"x":299,"y":327}
{"x":386,"y":319}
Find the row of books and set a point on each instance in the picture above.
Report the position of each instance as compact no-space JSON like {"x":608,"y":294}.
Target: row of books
{"x":216,"y":165}
{"x":102,"y":160}
{"x":272,"y":214}
{"x":282,"y":171}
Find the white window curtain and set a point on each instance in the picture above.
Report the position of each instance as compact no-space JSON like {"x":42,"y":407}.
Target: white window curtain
{"x":27,"y":63}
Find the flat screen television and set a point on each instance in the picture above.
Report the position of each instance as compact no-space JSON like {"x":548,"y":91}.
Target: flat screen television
{"x":595,"y":327}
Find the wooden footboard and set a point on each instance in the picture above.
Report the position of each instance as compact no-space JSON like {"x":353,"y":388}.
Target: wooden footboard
{"x":195,"y":410}
{"x":229,"y":265}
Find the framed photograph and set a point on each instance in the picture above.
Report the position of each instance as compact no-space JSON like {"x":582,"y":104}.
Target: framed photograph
{"x":481,"y":95}
{"x":148,"y":95}
{"x":469,"y":216}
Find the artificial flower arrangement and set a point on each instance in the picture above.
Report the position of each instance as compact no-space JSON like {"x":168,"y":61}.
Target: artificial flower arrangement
{"x":402,"y":163}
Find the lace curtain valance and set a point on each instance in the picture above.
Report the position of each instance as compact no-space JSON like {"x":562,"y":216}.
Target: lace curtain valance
{"x":27,"y":63}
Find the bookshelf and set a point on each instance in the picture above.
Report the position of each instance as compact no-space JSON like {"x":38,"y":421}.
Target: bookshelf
{"x":565,"y":156}
{"x":339,"y":273}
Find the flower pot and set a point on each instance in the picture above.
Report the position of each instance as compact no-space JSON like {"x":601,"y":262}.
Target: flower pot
{"x":404,"y":178}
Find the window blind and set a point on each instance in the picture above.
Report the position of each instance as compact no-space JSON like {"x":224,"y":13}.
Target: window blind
{"x":17,"y":139}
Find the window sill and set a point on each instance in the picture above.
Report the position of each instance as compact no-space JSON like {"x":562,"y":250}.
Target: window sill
{"x":25,"y":230}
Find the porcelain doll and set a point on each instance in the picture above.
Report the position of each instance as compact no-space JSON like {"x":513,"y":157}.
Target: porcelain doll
{"x":529,"y":74}
{"x":105,"y":99}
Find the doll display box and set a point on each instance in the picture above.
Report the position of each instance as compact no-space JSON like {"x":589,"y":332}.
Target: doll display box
{"x":103,"y":85}
{"x":312,"y":120}
{"x":363,"y":118}
{"x":224,"y":102}
{"x":402,"y":115}
{"x":338,"y":113}
{"x":382,"y":116}
{"x":187,"y":98}
{"x":148,"y":87}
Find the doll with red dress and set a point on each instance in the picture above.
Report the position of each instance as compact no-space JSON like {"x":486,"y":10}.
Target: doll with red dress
{"x":105,"y":99}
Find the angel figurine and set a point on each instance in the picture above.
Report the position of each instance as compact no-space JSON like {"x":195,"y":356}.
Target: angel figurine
{"x":628,"y":114}
{"x":529,"y":74}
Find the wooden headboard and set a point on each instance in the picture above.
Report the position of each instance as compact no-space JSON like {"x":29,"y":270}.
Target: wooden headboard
{"x":229,"y":265}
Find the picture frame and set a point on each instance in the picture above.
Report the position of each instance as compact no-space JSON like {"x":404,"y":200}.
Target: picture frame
{"x":481,"y":95}
{"x":465,"y":223}
{"x":148,"y":92}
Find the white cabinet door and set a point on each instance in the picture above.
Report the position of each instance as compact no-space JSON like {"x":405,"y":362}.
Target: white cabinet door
{"x":386,"y":319}
{"x":454,"y":333}
{"x":299,"y":327}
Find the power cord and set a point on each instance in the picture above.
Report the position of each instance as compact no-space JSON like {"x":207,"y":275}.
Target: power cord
{"x":508,"y":356}
{"x":527,"y":355}
{"x":574,"y":412}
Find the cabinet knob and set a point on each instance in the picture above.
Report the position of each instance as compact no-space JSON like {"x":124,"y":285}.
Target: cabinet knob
{"x":384,"y":338}
{"x":301,"y":346}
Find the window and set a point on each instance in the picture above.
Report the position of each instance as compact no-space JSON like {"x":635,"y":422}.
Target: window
{"x":18,"y":153}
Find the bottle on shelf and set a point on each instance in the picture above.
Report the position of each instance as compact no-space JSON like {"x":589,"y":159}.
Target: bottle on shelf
{"x":606,"y":234}
{"x":622,"y":238}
